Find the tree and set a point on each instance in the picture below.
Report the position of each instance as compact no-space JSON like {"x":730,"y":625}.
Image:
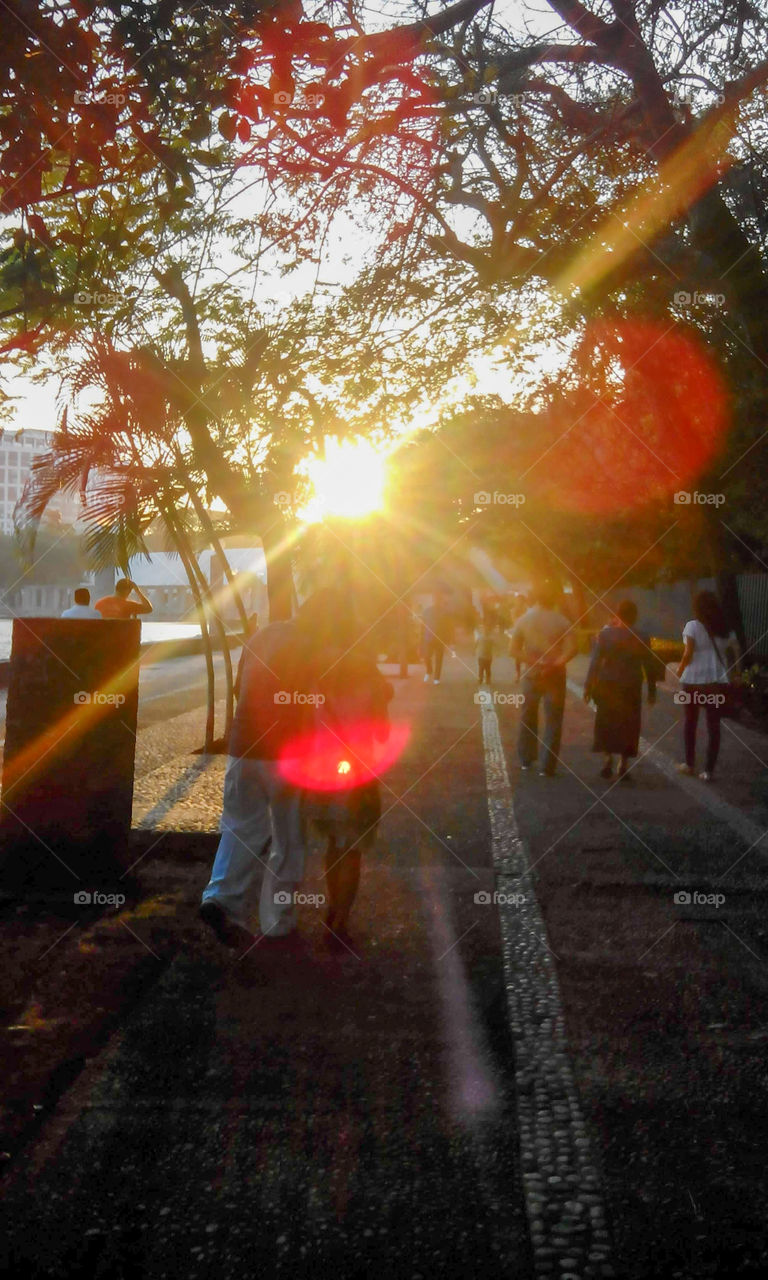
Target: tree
{"x":478,"y":154}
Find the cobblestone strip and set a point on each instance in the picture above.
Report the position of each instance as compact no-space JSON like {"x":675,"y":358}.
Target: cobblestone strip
{"x":566,"y":1211}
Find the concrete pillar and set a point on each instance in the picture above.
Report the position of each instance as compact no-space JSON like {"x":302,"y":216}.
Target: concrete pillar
{"x":70,"y":742}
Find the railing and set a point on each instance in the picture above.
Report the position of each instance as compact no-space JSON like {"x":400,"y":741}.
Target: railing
{"x":753,"y":600}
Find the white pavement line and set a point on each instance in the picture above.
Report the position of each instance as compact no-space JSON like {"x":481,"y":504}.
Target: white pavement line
{"x":752,"y":834}
{"x":172,"y":690}
{"x":175,"y":793}
{"x":565,"y":1206}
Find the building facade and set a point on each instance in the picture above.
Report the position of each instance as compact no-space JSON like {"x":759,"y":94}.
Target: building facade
{"x":17,"y":450}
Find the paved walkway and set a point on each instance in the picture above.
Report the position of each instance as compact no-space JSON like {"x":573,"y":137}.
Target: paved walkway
{"x":477,"y":1087}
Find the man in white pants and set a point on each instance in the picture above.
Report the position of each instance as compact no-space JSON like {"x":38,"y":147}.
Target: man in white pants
{"x":262,"y":834}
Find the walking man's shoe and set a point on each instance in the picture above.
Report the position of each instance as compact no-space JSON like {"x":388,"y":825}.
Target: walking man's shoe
{"x":228,"y":931}
{"x":684,"y":768}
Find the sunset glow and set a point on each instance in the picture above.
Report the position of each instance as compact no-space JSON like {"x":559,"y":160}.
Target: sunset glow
{"x":347,"y":482}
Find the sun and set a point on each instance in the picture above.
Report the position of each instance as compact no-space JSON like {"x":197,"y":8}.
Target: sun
{"x":347,"y":482}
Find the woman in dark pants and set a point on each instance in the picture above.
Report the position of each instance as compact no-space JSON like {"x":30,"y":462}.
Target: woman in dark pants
{"x":615,"y":684}
{"x":703,"y":675}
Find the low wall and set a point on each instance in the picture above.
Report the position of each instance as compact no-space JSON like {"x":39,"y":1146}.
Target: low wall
{"x":154,"y":651}
{"x":70,"y":741}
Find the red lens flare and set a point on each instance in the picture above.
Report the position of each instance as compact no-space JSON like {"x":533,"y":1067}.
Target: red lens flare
{"x":644,"y":417}
{"x":342,"y":760}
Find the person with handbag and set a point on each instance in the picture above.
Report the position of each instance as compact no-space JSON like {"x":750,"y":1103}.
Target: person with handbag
{"x":703,"y":672}
{"x":620,"y":659}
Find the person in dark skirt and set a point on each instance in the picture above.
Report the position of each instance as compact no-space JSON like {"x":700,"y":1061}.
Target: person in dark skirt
{"x":615,"y":684}
{"x":346,"y":806}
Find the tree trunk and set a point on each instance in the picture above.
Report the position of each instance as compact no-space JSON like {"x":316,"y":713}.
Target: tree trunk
{"x":187,"y":559}
{"x":207,"y":524}
{"x":229,"y":706}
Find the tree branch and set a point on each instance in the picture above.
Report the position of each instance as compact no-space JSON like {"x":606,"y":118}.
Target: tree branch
{"x":584,"y":22}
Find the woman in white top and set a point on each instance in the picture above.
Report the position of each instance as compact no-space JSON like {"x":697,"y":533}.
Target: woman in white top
{"x":704,"y":674}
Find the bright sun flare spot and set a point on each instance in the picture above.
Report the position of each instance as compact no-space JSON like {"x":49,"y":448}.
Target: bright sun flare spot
{"x":349,"y":481}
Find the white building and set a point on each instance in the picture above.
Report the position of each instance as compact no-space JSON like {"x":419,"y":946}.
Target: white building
{"x":164,"y":582}
{"x":17,"y":449}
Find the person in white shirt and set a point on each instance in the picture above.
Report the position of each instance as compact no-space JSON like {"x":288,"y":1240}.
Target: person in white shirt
{"x":542,"y":638}
{"x":703,"y":672}
{"x":82,"y":606}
